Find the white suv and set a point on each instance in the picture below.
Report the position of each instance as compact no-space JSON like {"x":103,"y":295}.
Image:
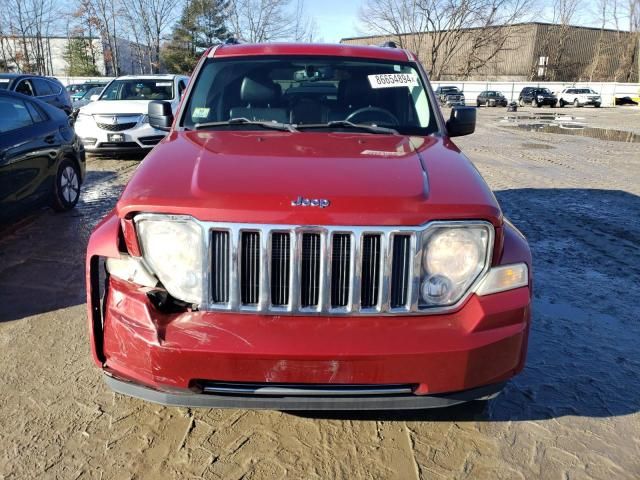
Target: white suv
{"x":579,"y":97}
{"x":117,"y":120}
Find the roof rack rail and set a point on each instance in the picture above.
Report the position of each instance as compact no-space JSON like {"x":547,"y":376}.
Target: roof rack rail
{"x":389,"y":44}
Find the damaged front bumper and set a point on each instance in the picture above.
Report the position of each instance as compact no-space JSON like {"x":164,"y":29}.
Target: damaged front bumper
{"x":239,"y":360}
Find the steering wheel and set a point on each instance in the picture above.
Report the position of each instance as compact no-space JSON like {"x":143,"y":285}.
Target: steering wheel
{"x":373,"y":115}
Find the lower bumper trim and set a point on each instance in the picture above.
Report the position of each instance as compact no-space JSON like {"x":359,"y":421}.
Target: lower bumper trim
{"x":282,"y":400}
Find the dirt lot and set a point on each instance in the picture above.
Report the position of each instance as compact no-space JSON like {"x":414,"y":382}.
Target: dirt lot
{"x":574,"y":413}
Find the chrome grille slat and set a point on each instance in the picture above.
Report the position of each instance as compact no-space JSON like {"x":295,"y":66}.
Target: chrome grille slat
{"x":313,"y":270}
{"x":370,"y":279}
{"x":220,"y":266}
{"x":400,"y":266}
{"x":280,"y":268}
{"x":250,"y":268}
{"x":310,"y":270}
{"x":340,"y":269}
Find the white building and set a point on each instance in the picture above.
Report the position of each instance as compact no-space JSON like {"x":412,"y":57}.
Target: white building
{"x":49,"y":55}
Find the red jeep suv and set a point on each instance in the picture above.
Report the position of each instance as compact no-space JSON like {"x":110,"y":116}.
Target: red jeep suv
{"x":307,"y":236}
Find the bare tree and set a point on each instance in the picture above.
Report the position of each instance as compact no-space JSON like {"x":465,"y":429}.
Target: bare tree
{"x":437,"y":29}
{"x":154,"y":18}
{"x":107,"y":13}
{"x":269,"y":20}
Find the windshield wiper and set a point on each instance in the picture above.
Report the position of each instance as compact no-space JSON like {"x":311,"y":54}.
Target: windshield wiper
{"x":245,"y":121}
{"x":348,"y":124}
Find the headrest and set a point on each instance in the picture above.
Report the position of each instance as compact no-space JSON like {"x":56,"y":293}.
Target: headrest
{"x":259,"y":91}
{"x":356,"y":92}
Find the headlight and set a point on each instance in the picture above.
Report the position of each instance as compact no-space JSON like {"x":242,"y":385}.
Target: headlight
{"x":452,"y":259}
{"x":144,"y":119}
{"x":540,"y":97}
{"x":172,"y":248}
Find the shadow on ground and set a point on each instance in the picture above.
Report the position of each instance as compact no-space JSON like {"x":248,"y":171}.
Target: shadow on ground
{"x":42,"y":252}
{"x":583,"y":354}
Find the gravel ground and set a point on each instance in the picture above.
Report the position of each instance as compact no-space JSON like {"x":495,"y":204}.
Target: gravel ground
{"x":574,"y":413}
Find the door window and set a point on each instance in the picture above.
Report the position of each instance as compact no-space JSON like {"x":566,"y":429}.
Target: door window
{"x":25,"y":88}
{"x":43,"y":88}
{"x":18,"y":116}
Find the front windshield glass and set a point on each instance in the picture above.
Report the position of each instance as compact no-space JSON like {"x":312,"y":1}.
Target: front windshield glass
{"x":141,"y":89}
{"x":310,"y":91}
{"x":544,"y":91}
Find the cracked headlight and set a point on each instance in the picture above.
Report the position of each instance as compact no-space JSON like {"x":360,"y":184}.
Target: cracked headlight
{"x":453,"y":258}
{"x":172,"y":247}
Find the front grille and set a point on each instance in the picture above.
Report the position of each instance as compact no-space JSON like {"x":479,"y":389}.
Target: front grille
{"x":306,"y":270}
{"x":116,"y":128}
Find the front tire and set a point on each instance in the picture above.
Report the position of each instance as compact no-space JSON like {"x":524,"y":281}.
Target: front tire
{"x":66,"y":189}
{"x":576,"y":103}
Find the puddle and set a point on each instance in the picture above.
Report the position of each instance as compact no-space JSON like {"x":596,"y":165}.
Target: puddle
{"x":567,"y":125}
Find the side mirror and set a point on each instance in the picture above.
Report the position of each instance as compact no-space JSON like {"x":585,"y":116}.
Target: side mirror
{"x":462,"y":121}
{"x":93,"y":98}
{"x":160,"y":115}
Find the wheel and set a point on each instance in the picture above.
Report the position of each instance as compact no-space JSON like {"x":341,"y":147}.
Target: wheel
{"x":534,"y":103}
{"x":576,"y":103}
{"x":66,"y":189}
{"x":521,"y":102}
{"x":373,"y":115}
{"x":561,"y":103}
{"x":597,"y":105}
{"x":477,"y":104}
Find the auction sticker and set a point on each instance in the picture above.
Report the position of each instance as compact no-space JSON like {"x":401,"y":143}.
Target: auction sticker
{"x":391,"y":80}
{"x":200,"y":112}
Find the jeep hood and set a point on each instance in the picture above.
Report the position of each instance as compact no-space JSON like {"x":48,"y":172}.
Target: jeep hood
{"x":253,"y":176}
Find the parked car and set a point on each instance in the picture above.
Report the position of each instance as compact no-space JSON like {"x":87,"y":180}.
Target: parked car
{"x":41,"y":159}
{"x":352,"y":260}
{"x":47,"y":89}
{"x":491,"y":98}
{"x":450,"y":96}
{"x":117,"y":121}
{"x":537,"y":97}
{"x":86,"y":98}
{"x":79,"y":90}
{"x":579,"y":97}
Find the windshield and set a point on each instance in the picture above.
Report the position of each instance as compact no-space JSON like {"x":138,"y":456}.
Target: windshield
{"x":310,"y":91}
{"x":544,"y":91}
{"x":142,"y":89}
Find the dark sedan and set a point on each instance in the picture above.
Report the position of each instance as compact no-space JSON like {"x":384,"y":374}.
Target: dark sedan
{"x":491,"y":98}
{"x":537,"y":97}
{"x":41,"y":159}
{"x":47,"y":89}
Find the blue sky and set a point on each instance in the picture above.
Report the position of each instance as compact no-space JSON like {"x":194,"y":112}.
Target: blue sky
{"x":336,"y":19}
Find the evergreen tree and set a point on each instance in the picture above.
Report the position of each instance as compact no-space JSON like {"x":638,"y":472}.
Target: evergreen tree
{"x":202,"y":24}
{"x":78,"y":57}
